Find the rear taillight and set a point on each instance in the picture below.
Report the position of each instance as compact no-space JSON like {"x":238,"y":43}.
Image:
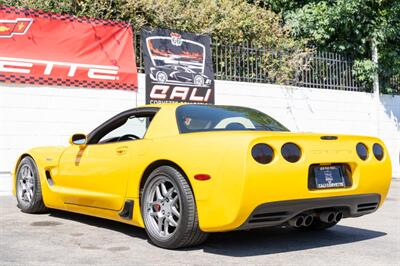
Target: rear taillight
{"x":262,"y":153}
{"x":378,"y":151}
{"x":291,"y":152}
{"x":362,"y":151}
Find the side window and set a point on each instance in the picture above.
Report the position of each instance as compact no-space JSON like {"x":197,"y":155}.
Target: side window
{"x":133,"y":128}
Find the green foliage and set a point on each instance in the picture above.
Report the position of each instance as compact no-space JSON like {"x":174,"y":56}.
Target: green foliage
{"x":228,"y":21}
{"x":364,"y":71}
{"x":282,"y":6}
{"x":348,"y":26}
{"x":105,"y":9}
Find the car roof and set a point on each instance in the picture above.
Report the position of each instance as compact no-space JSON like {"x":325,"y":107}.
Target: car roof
{"x":164,"y":105}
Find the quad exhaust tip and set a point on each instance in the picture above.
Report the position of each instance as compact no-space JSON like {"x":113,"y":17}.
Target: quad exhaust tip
{"x":330,"y":217}
{"x":338,"y":216}
{"x":301,"y":220}
{"x":308,"y":219}
{"x":296,"y":221}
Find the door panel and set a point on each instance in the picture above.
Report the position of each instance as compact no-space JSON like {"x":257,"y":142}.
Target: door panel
{"x":97,"y":175}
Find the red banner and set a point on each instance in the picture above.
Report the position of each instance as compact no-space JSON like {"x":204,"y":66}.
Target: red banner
{"x":62,"y":50}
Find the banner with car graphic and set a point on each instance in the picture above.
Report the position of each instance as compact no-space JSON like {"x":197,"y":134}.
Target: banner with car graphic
{"x":178,"y":66}
{"x":43,"y":48}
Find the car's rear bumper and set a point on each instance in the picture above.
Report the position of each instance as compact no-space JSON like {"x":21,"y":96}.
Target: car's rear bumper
{"x":279,"y":213}
{"x":242,"y":184}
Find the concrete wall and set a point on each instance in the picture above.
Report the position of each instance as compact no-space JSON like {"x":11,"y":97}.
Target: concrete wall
{"x":32,"y":116}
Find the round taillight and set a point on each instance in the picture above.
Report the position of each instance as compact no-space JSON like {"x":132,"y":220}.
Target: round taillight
{"x":291,"y":152}
{"x":378,"y":151}
{"x":262,"y":153}
{"x":362,"y":151}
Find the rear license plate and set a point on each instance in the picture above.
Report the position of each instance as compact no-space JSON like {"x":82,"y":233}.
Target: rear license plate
{"x":329,"y":177}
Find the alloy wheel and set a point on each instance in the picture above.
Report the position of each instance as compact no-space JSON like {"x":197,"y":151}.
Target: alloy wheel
{"x":26,"y":184}
{"x":163,"y":207}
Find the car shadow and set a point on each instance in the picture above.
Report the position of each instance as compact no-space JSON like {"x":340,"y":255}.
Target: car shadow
{"x":281,"y":240}
{"x":126,"y":229}
{"x":245,"y":243}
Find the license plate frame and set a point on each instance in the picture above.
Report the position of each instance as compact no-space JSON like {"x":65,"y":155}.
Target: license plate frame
{"x":329,"y":176}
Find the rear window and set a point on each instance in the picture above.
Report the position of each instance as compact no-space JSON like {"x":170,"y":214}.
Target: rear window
{"x":196,"y":118}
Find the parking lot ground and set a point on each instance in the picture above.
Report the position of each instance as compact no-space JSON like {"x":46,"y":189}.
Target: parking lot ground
{"x":5,"y":184}
{"x":60,"y":238}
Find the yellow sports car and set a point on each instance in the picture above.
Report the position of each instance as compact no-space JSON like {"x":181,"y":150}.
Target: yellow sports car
{"x":182,"y":171}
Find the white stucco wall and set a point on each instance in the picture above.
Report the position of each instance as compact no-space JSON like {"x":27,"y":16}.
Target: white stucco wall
{"x":34,"y":116}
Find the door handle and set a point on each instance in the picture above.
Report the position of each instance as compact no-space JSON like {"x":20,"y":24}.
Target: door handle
{"x":121,"y":150}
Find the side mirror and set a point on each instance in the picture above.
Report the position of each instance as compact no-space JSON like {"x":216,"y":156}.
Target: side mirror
{"x":78,"y":139}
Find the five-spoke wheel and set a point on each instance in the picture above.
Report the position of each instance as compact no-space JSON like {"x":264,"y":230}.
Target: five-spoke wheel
{"x":163,"y":207}
{"x":25,"y":184}
{"x":169,"y":210}
{"x":28,"y":189}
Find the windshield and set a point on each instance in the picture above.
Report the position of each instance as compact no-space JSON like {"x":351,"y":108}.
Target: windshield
{"x":196,"y":118}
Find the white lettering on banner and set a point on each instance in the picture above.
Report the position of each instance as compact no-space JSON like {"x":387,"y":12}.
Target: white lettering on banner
{"x":15,"y":67}
{"x":207,"y":95}
{"x":193,"y":96}
{"x":179,"y":92}
{"x":24,"y":66}
{"x":96,"y":73}
{"x":160,"y":92}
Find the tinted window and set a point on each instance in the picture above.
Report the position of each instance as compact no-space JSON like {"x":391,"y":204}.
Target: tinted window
{"x":195,"y":118}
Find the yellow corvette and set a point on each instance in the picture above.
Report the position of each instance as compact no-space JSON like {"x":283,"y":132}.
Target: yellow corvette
{"x":182,"y":171}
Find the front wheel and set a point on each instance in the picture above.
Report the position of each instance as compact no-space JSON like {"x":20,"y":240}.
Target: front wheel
{"x":28,"y":189}
{"x":161,"y":77}
{"x":169,"y":210}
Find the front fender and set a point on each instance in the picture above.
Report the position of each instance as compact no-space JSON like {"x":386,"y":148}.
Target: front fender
{"x":46,"y":158}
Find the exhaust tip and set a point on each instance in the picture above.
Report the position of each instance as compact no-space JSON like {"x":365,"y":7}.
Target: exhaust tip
{"x":296,"y":221}
{"x":308,"y":220}
{"x":327,"y":217}
{"x":331,"y":217}
{"x":300,"y":221}
{"x":338,"y":216}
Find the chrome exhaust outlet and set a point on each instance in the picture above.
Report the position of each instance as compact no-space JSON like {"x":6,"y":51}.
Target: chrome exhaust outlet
{"x":327,"y":217}
{"x":338,"y":216}
{"x":296,"y":221}
{"x":308,"y":219}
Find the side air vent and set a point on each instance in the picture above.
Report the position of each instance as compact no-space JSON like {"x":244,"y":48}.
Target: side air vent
{"x":367,"y":207}
{"x":268,"y":217}
{"x":49,"y":179}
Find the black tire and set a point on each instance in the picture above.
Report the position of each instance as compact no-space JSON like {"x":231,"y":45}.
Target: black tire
{"x":187,"y":232}
{"x":36,"y":204}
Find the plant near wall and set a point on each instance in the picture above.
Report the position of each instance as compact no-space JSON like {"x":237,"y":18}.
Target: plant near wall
{"x":233,"y":22}
{"x":348,"y":26}
{"x":364,"y":70}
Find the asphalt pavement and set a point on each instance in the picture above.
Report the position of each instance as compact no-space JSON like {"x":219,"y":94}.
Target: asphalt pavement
{"x":61,"y":238}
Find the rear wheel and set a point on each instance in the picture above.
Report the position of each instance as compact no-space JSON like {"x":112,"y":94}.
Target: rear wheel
{"x":169,"y":210}
{"x":198,"y":80}
{"x":28,"y":189}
